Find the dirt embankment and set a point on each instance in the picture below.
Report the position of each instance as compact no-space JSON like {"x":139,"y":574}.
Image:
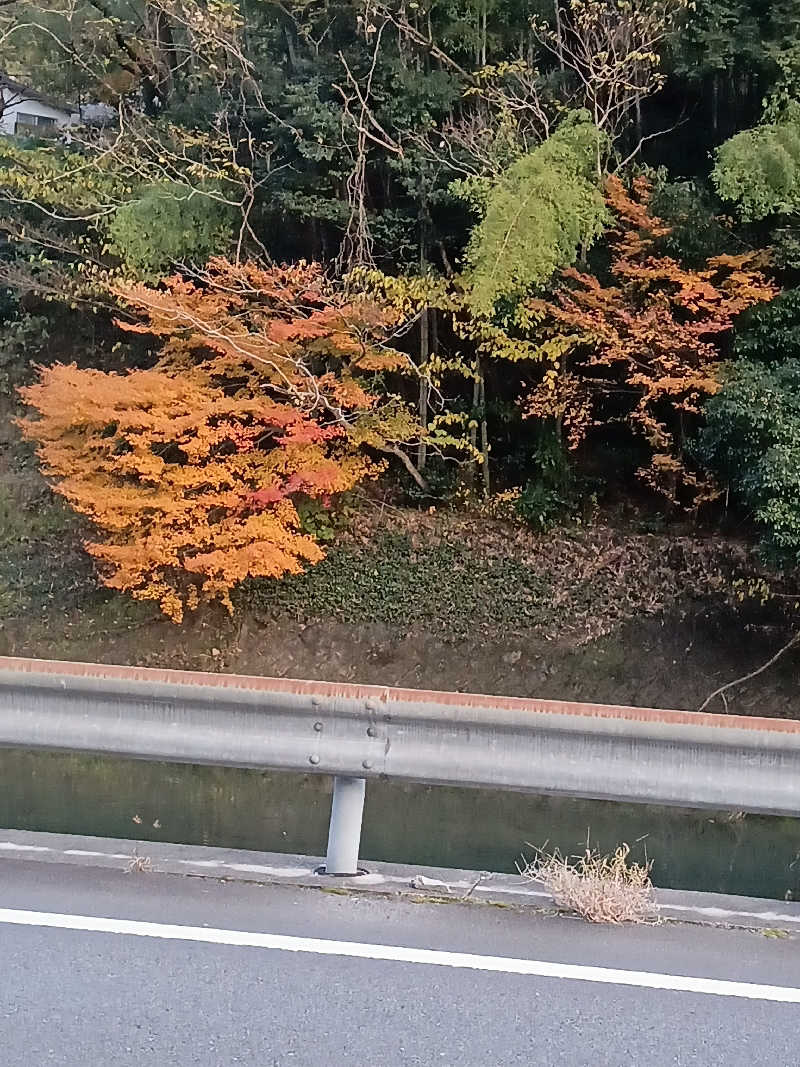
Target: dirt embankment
{"x":445,"y":601}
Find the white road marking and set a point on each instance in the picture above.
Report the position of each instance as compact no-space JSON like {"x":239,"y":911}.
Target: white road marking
{"x":275,"y":872}
{"x":10,"y":846}
{"x":430,"y":957}
{"x":780,"y":918}
{"x":96,"y":855}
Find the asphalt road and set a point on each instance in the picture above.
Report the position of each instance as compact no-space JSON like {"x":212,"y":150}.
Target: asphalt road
{"x":200,"y":973}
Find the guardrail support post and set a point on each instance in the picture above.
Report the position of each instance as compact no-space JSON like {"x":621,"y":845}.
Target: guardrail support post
{"x":344,"y":834}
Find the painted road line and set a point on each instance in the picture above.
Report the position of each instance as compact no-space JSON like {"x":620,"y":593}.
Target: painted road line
{"x":429,"y":957}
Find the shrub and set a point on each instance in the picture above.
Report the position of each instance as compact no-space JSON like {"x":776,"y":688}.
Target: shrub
{"x":752,"y":442}
{"x":770,"y":332}
{"x":642,"y":352}
{"x":553,"y":493}
{"x":170,"y":224}
{"x":758,"y":169}
{"x":192,"y":473}
{"x":601,"y":889}
{"x":21,"y":340}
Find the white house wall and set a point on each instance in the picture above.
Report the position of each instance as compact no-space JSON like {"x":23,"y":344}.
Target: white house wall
{"x":12,"y":106}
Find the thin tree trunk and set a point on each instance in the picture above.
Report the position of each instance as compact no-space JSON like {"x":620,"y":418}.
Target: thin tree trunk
{"x":559,"y":419}
{"x":396,"y":450}
{"x":423,"y":217}
{"x":424,"y":387}
{"x":558,"y":35}
{"x":715,"y":102}
{"x":473,"y":424}
{"x":291,"y":52}
{"x":481,"y":395}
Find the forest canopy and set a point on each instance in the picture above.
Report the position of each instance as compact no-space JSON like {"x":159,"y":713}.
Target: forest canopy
{"x":532,"y":252}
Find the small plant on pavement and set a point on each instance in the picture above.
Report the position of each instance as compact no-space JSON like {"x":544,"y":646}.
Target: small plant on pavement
{"x":601,"y":889}
{"x":139,"y":864}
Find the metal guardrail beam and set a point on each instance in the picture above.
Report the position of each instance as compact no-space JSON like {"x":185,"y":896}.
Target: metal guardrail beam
{"x":581,"y":750}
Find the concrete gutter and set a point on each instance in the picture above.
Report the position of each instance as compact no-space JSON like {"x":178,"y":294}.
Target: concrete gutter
{"x":431,"y":883}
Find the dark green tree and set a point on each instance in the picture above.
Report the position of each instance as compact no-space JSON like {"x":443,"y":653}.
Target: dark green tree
{"x":752,"y":442}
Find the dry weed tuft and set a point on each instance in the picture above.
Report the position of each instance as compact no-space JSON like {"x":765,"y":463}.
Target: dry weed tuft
{"x":601,"y":889}
{"x":139,"y":864}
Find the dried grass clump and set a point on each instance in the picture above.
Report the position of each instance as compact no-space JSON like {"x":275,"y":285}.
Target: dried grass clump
{"x":601,"y":889}
{"x":139,"y":864}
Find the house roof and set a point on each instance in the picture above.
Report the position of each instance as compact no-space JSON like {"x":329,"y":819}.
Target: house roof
{"x":26,"y":92}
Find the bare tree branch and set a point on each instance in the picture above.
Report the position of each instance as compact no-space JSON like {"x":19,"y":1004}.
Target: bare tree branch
{"x":752,"y":674}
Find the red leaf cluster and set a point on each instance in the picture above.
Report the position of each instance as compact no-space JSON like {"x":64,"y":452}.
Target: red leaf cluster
{"x":644,"y":347}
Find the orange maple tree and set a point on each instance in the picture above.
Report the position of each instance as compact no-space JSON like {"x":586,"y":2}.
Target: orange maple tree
{"x":645,"y":348}
{"x":192,"y":471}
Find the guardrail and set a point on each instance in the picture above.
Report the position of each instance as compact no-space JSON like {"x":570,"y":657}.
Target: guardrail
{"x":358,"y":732}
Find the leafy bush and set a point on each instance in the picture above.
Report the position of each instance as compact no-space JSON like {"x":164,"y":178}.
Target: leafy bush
{"x":752,"y":442}
{"x":189,"y":471}
{"x":21,"y":340}
{"x":643,"y":352}
{"x":169,"y":224}
{"x":444,"y":483}
{"x":552,"y":493}
{"x":770,"y":331}
{"x":695,"y":232}
{"x":544,"y":208}
{"x":759,"y":169}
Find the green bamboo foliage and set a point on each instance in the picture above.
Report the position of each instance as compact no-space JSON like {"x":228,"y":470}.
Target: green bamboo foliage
{"x":547,"y":206}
